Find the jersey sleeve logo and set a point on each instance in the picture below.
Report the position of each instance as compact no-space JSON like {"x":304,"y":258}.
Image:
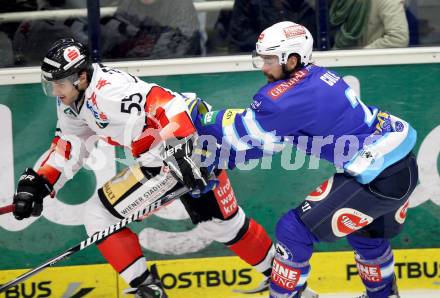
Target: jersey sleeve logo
{"x":209,"y":118}
{"x":280,"y":88}
{"x":229,"y":116}
{"x":256,"y":105}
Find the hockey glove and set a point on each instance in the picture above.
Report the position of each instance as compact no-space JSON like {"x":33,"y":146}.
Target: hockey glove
{"x":31,"y":190}
{"x":178,"y":156}
{"x":212,"y":183}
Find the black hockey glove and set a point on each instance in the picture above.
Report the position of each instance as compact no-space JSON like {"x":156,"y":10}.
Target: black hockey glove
{"x":31,"y":190}
{"x":178,"y":156}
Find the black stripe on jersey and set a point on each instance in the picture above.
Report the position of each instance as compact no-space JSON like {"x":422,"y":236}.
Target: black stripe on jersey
{"x":134,"y":78}
{"x":107,"y":204}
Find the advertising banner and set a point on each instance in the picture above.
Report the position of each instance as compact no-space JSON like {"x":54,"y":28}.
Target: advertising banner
{"x":220,"y":277}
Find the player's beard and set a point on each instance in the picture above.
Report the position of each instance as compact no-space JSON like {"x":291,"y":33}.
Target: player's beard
{"x":270,"y":78}
{"x":284,"y":75}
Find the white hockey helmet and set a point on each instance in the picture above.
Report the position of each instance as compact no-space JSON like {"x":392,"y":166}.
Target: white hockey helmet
{"x":285,"y":38}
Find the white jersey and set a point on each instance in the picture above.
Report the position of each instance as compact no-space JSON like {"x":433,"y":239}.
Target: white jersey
{"x":122,"y":110}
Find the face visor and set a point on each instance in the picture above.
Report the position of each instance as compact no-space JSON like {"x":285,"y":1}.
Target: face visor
{"x":55,"y":87}
{"x":258,"y":61}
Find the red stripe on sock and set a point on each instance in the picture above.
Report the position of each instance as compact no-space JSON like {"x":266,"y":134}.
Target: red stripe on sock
{"x":121,"y":249}
{"x":254,"y":245}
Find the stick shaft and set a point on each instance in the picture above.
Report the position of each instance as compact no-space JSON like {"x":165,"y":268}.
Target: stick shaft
{"x":7,"y":209}
{"x":98,"y":236}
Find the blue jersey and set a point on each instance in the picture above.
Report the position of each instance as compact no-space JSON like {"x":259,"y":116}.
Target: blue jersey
{"x":319,"y":113}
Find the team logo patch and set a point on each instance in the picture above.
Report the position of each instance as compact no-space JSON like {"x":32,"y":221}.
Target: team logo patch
{"x":369,"y":272}
{"x":285,"y":276}
{"x":321,"y":191}
{"x":293,"y":31}
{"x":348,"y":220}
{"x":71,"y":53}
{"x":209,"y":118}
{"x":400,"y":215}
{"x":285,"y":85}
{"x":383,"y":122}
{"x":399,"y":126}
{"x":283,"y":252}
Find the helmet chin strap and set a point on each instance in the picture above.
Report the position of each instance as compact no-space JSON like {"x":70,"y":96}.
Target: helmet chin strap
{"x":81,"y":94}
{"x":79,"y":100}
{"x":89,"y":72}
{"x":288,"y":73}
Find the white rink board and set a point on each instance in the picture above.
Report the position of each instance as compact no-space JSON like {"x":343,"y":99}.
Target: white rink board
{"x":233,"y":63}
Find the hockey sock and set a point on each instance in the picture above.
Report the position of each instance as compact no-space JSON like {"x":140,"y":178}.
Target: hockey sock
{"x":123,"y":251}
{"x":375,"y":264}
{"x":253,"y":245}
{"x":291,"y":266}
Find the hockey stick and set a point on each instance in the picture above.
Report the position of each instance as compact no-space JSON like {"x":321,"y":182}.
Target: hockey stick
{"x":7,"y":209}
{"x":98,"y":236}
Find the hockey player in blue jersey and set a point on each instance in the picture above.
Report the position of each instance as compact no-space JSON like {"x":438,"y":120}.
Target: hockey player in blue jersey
{"x":313,"y":108}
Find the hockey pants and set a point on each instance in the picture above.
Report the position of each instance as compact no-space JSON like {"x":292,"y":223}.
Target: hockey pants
{"x":219,"y":217}
{"x":367,"y":214}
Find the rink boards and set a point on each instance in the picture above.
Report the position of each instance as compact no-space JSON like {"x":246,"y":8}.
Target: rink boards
{"x":218,"y":277}
{"x":27,"y":120}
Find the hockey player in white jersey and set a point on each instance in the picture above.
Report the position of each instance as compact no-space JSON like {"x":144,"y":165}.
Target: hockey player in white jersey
{"x":96,"y":102}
